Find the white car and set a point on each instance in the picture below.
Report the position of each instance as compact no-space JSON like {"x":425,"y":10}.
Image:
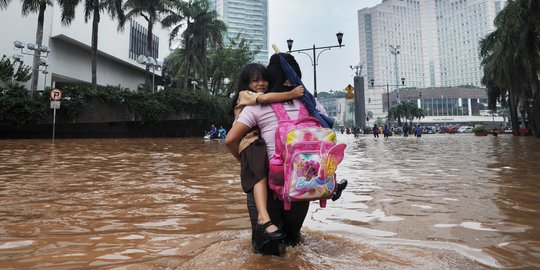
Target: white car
{"x":465,"y":129}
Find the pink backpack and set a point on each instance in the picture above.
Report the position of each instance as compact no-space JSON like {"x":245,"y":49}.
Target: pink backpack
{"x":306,"y":158}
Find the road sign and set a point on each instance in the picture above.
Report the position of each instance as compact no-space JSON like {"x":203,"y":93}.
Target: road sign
{"x":350,"y":95}
{"x":55,"y":104}
{"x":56,"y":94}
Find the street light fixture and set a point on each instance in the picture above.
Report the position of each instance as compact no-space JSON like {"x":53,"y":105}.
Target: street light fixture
{"x":315,"y":57}
{"x":33,"y":49}
{"x":194,"y":83}
{"x":372,"y":82}
{"x":152,"y":62}
{"x":17,"y":58}
{"x":394,"y":50}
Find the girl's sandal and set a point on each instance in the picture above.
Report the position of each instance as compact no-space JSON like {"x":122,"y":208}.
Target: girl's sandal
{"x":275,"y":235}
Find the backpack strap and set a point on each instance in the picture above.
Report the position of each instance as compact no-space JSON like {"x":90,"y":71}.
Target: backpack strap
{"x":280,"y":111}
{"x":282,"y":114}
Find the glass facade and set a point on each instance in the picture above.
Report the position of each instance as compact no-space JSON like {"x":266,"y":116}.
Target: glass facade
{"x":438,"y":45}
{"x":247,"y":19}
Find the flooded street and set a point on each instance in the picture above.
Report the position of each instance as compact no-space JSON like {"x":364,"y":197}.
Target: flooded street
{"x":437,"y":202}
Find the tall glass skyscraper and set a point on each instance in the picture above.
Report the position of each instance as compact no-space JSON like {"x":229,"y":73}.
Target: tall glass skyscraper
{"x":249,"y":20}
{"x":438,"y":43}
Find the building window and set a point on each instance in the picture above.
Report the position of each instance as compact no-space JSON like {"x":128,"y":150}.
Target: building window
{"x":137,"y":41}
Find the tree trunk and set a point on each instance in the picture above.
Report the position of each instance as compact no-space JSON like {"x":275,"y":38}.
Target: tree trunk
{"x":512,"y":107}
{"x":205,"y":70}
{"x":37,"y":53}
{"x":534,"y":117}
{"x":95,"y":31}
{"x":187,"y":56}
{"x":149,"y":53}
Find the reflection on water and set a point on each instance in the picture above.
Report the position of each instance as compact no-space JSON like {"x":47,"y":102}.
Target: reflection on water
{"x":438,"y":202}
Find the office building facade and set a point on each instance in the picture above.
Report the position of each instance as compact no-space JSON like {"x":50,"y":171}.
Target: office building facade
{"x":422,"y":44}
{"x":69,"y":59}
{"x":247,"y":19}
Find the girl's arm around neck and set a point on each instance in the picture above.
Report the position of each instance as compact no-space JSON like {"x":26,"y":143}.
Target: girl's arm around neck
{"x":274,"y":97}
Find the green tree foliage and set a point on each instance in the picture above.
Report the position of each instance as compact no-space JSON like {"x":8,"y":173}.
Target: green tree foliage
{"x":406,"y":110}
{"x":3,"y":4}
{"x":12,"y":76}
{"x":39,"y":7}
{"x":203,"y":30}
{"x":151,"y":11}
{"x":151,"y":107}
{"x":511,"y":59}
{"x":225,"y":63}
{"x":18,"y":108}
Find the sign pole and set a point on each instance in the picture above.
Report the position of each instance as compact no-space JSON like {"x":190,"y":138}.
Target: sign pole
{"x":56,"y":96}
{"x":53,"y":123}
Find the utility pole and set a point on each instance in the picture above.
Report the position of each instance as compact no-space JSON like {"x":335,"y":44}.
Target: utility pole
{"x":394,"y":50}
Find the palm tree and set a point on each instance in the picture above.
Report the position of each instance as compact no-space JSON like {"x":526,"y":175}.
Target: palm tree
{"x":202,"y":30}
{"x":407,"y":110}
{"x":4,"y":3}
{"x":151,"y":11}
{"x":369,"y":114}
{"x":395,"y":113}
{"x":511,"y":61}
{"x":32,"y":6}
{"x":93,"y":8}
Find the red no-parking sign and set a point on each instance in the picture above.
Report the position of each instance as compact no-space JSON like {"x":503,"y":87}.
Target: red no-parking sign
{"x":56,"y":94}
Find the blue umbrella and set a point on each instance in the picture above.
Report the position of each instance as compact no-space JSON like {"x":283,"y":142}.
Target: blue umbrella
{"x":308,"y":98}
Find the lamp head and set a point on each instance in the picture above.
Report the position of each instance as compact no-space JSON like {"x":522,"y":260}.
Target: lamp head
{"x":152,"y":61}
{"x":142,"y":60}
{"x":402,"y":81}
{"x":339,"y":36}
{"x":43,"y":62}
{"x":18,"y":44}
{"x":289,"y":44}
{"x":372,"y":81}
{"x":17,"y":58}
{"x":44,"y":49}
{"x":32,"y":46}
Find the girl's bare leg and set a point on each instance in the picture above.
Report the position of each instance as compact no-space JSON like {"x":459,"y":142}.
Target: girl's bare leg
{"x":261,"y":196}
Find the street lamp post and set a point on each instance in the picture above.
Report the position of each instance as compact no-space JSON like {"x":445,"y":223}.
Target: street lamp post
{"x":152,"y":62}
{"x":420,"y":99}
{"x":194,"y":83}
{"x":394,"y":50}
{"x":315,"y":57}
{"x":372,"y":82}
{"x":42,"y":52}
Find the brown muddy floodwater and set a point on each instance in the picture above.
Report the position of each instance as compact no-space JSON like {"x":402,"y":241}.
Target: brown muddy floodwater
{"x":438,"y":202}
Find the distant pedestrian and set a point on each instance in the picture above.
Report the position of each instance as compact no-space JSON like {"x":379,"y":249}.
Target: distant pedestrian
{"x":406,"y":131}
{"x":375,"y":131}
{"x":418,"y":131}
{"x":386,"y":131}
{"x":356,"y":131}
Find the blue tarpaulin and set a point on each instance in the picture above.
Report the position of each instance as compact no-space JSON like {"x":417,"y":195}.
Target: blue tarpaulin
{"x":308,"y":98}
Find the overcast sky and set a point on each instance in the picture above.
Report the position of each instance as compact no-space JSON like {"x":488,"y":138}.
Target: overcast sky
{"x":310,"y":22}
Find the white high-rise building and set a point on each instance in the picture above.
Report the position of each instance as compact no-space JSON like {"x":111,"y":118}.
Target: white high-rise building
{"x":438,"y":44}
{"x":249,"y":19}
